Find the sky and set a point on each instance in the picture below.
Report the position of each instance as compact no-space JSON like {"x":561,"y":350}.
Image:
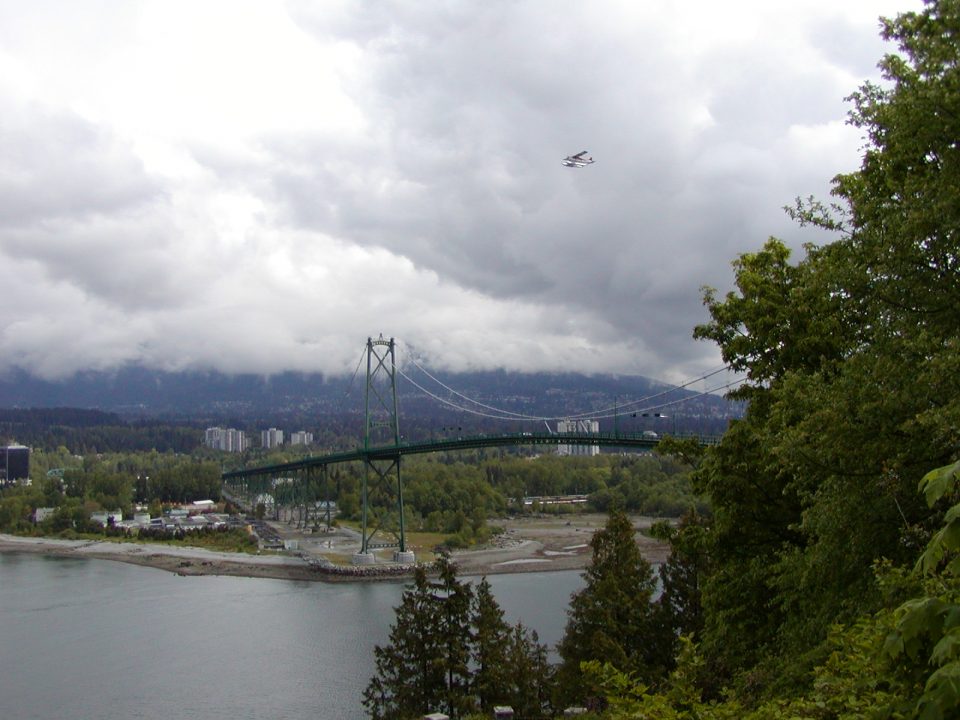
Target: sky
{"x":251,"y":186}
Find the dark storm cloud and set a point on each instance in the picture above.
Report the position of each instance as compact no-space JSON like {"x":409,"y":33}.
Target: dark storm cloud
{"x":472,"y":110}
{"x":256,"y":187}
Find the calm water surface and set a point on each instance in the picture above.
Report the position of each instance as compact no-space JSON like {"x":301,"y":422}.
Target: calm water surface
{"x":82,"y":638}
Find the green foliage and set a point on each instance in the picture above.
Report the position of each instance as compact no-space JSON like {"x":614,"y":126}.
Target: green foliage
{"x":530,"y":677}
{"x":902,"y":661}
{"x":852,"y":371}
{"x":453,"y":599}
{"x":455,"y":497}
{"x":491,"y":647}
{"x":409,"y":681}
{"x":935,"y":485}
{"x":451,"y":650}
{"x":425,"y":665}
{"x":91,"y":431}
{"x":680,"y":606}
{"x":221,"y":539}
{"x":105,"y":481}
{"x":927,"y":628}
{"x":612,"y":619}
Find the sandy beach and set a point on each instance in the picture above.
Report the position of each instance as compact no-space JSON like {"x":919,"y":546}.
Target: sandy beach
{"x":527,"y":545}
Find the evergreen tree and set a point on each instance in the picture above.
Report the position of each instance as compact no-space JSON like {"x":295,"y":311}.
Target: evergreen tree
{"x":409,"y":680}
{"x":612,"y":619}
{"x":680,"y":605}
{"x":530,"y":675}
{"x":453,"y":599}
{"x":491,"y":649}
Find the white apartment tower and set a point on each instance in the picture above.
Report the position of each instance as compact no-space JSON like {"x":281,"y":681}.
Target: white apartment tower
{"x":211,"y":438}
{"x":301,"y":437}
{"x":271,"y":438}
{"x":581,"y":427}
{"x":227,"y":439}
{"x":235,"y":440}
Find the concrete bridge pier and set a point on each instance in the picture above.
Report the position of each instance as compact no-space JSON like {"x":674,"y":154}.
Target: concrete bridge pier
{"x":404,"y":557}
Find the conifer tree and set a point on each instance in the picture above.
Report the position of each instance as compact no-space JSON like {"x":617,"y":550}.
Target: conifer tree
{"x":450,"y":650}
{"x":453,"y":600}
{"x":612,"y":619}
{"x":409,"y":681}
{"x":529,"y":686}
{"x":491,"y":649}
{"x":683,"y":573}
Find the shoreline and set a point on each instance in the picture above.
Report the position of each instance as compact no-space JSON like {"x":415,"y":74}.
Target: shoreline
{"x":529,"y":545}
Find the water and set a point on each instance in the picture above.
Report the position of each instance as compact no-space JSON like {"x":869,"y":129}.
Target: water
{"x":89,"y":638}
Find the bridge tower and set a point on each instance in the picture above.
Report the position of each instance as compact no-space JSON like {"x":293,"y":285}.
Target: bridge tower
{"x":381,"y":427}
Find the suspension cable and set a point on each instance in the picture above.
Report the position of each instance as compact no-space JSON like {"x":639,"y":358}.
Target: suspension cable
{"x":350,"y":384}
{"x":587,"y":414}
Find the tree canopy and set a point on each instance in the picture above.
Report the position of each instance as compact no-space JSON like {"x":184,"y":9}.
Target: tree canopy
{"x":851,"y":358}
{"x":450,"y":650}
{"x":612,"y":618}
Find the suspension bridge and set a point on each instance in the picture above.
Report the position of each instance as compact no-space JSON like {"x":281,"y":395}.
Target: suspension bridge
{"x":302,"y":483}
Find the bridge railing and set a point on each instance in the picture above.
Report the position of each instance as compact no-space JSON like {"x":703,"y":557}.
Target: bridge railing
{"x":644,"y":440}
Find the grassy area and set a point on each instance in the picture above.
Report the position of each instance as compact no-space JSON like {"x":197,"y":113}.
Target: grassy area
{"x":232,"y":540}
{"x":426,"y":540}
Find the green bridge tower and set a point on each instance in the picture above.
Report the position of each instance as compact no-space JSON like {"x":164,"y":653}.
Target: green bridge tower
{"x":382,"y":427}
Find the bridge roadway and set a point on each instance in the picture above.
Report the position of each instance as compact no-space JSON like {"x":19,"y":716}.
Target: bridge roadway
{"x":395,"y":452}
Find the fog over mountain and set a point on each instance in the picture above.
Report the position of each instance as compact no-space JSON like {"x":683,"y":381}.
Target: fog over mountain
{"x":134,"y":393}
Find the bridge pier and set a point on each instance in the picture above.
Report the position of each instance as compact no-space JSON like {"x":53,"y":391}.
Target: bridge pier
{"x":404,"y":557}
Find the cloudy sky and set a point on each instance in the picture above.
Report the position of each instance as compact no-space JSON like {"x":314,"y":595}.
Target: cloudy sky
{"x":256,"y":186}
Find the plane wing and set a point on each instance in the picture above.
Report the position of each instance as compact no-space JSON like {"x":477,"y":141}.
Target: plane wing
{"x":578,"y":160}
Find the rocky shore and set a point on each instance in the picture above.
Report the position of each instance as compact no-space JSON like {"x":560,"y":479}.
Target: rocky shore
{"x":527,"y":545}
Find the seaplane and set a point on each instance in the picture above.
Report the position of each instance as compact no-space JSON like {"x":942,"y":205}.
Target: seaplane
{"x":578,"y":161}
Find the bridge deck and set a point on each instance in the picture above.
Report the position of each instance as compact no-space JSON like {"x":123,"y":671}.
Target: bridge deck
{"x":393,"y":452}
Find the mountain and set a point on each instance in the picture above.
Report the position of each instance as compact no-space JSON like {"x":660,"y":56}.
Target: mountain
{"x":136,"y":392}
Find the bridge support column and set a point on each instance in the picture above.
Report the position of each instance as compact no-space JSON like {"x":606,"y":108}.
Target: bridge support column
{"x":404,"y":557}
{"x":381,"y":424}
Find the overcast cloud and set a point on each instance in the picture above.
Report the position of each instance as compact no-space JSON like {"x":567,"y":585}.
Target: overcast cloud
{"x":258,"y":187}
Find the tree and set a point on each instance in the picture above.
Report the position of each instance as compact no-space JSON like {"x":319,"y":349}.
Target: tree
{"x":453,"y":599}
{"x":902,"y":661}
{"x":510,"y":664}
{"x":611,"y":619}
{"x":680,"y":602}
{"x":491,"y":646}
{"x":852,"y":372}
{"x":426,"y":664}
{"x":530,"y":684}
{"x":409,"y":681}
